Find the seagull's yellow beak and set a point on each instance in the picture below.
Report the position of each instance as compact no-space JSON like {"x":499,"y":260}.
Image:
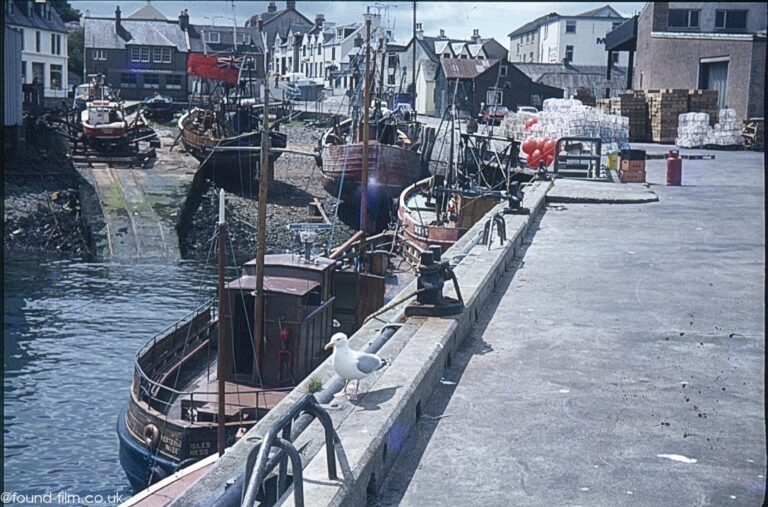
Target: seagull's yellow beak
{"x":328,"y":345}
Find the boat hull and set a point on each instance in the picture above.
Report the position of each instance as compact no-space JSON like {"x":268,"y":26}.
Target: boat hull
{"x":421,"y":230}
{"x":227,"y":167}
{"x":104,"y":133}
{"x":391,"y":169}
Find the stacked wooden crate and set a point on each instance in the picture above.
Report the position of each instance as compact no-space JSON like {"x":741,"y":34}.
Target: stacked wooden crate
{"x":632,"y":168}
{"x":632,"y":105}
{"x":664,"y":107}
{"x":703,"y":101}
{"x":585,"y":96}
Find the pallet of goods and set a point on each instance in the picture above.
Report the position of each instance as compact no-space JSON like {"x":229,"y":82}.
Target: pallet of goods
{"x":664,"y":108}
{"x":703,"y":101}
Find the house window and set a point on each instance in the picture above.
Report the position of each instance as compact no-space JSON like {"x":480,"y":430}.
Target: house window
{"x":100,"y":54}
{"x":503,"y":71}
{"x":56,"y":76}
{"x":333,"y":53}
{"x":615,"y":58}
{"x":173,"y":82}
{"x":446,"y":55}
{"x":53,"y":43}
{"x":22,"y":35}
{"x":304,"y":51}
{"x":683,"y":18}
{"x":127,"y":80}
{"x":494,"y":97}
{"x":243,"y":38}
{"x":319,"y":48}
{"x":569,"y":53}
{"x":23,"y":72}
{"x":391,"y":79}
{"x":161,"y":55}
{"x":212,"y":37}
{"x":151,"y":80}
{"x":735,"y":20}
{"x":37,"y":41}
{"x":9,"y":7}
{"x":139,"y":54}
{"x":570,"y":27}
{"x":531,"y":55}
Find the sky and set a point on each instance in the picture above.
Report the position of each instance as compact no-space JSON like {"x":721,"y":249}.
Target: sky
{"x":458,"y":19}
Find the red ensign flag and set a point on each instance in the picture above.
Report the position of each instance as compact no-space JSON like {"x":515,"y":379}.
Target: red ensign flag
{"x":224,"y":69}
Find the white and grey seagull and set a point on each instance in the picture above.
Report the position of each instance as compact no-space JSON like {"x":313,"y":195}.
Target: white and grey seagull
{"x":352,"y":364}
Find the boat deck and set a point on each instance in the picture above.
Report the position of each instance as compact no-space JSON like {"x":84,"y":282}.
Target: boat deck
{"x":239,"y":396}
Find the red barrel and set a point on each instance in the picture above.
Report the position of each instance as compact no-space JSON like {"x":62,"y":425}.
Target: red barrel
{"x":674,"y":168}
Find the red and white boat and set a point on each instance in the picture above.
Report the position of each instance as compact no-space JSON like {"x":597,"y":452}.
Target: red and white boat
{"x":104,"y":120}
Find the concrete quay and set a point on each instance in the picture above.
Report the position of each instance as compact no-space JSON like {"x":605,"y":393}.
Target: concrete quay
{"x":621,"y":343}
{"x":620,"y":364}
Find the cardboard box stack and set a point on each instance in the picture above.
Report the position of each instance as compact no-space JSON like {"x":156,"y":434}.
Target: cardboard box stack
{"x":633,"y":106}
{"x":585,"y":96}
{"x":703,"y":101}
{"x":664,"y":108}
{"x":632,"y":168}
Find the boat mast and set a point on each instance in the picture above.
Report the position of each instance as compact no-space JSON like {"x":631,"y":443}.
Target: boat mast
{"x":224,"y":326}
{"x":413,"y":71}
{"x":264,"y":176}
{"x":366,"y":106}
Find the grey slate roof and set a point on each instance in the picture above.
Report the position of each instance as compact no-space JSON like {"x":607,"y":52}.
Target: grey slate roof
{"x":607,"y":12}
{"x":572,"y":76}
{"x":19,"y":18}
{"x":148,"y":12}
{"x":464,"y":68}
{"x":101,"y":33}
{"x":226,"y":37}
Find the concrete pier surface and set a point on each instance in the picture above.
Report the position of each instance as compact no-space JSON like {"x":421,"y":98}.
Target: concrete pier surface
{"x":622,"y":362}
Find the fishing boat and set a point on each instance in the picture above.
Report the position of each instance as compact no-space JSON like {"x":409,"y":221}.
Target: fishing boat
{"x":225,"y":141}
{"x":158,"y":107}
{"x":394,"y":162}
{"x":222,"y":128}
{"x":440,"y":209}
{"x":104,"y":123}
{"x":94,"y":89}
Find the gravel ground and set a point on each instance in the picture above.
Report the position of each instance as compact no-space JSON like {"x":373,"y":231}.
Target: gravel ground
{"x":297,"y":181}
{"x":41,"y":201}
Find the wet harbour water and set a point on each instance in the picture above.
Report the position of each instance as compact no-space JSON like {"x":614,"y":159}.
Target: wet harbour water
{"x":71,"y":332}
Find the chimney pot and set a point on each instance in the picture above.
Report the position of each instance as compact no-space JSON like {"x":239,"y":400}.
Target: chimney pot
{"x":290,"y":5}
{"x":442,"y":33}
{"x":272,"y":7}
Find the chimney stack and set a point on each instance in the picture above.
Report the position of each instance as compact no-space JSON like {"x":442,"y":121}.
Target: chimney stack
{"x":184,"y":20}
{"x":419,"y":31}
{"x":290,"y":5}
{"x":272,"y":7}
{"x":117,"y":19}
{"x":442,"y":33}
{"x":319,"y":19}
{"x":476,"y":39}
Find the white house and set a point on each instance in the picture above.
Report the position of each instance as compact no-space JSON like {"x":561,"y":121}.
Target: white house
{"x":553,"y":38}
{"x":44,"y":44}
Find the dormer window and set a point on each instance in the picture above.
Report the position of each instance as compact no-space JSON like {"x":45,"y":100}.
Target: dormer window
{"x":212,"y":37}
{"x":243,"y":38}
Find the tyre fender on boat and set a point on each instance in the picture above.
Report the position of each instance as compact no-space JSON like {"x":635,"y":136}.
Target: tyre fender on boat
{"x":151,"y":436}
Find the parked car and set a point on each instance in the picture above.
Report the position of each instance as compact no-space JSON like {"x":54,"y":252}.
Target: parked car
{"x":291,"y":92}
{"x":493,"y":115}
{"x":403,"y":110}
{"x":528,"y":109}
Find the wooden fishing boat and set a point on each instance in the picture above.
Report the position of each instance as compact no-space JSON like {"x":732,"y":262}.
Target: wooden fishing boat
{"x":422,"y":224}
{"x":103,"y":122}
{"x":171,"y":419}
{"x":393,"y":163}
{"x":224,"y":142}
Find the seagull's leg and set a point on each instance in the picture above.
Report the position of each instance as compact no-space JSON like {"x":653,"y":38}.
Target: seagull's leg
{"x":357,"y":387}
{"x":346,"y":383}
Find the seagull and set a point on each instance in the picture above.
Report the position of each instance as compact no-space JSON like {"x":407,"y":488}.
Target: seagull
{"x":352,"y":364}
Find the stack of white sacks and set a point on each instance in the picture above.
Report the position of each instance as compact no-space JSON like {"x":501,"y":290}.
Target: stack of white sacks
{"x":693,"y":130}
{"x":570,"y":118}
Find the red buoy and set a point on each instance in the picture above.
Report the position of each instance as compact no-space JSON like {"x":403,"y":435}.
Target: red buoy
{"x":674,"y":168}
